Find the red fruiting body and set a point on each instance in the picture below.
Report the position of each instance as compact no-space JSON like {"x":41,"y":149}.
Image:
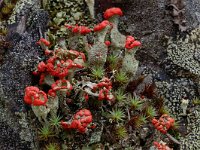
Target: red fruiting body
{"x":75,"y":29}
{"x":154,"y":121}
{"x":35,"y":73}
{"x":163,"y":124}
{"x":104,"y":87}
{"x":58,"y":68}
{"x":30,"y":91}
{"x":92,"y":126}
{"x":112,"y":11}
{"x":41,"y":99}
{"x":79,"y":29}
{"x":142,"y":96}
{"x":65,"y":125}
{"x":131,"y":43}
{"x":86,"y":96}
{"x":63,"y":85}
{"x":84,"y":30}
{"x":110,"y":96}
{"x":68,"y":26}
{"x":107,"y":43}
{"x":52,"y":93}
{"x":74,"y":52}
{"x":33,"y":96}
{"x":101,"y":25}
{"x":101,"y":95}
{"x":41,"y":67}
{"x":82,"y":56}
{"x":81,"y":121}
{"x":42,"y":76}
{"x":47,"y":52}
{"x":44,"y":41}
{"x":160,"y":146}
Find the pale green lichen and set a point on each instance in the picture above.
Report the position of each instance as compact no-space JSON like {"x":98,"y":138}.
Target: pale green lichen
{"x":20,"y":5}
{"x":97,"y":54}
{"x":117,"y":39}
{"x":129,"y":63}
{"x":26,"y":133}
{"x":90,"y":4}
{"x":71,"y":12}
{"x":184,"y":52}
{"x":192,"y":140}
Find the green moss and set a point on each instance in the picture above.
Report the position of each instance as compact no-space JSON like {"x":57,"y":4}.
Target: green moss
{"x":45,"y":133}
{"x":121,"y":77}
{"x":98,"y":72}
{"x":52,"y":146}
{"x":116,"y":115}
{"x":150,"y":112}
{"x":121,"y":132}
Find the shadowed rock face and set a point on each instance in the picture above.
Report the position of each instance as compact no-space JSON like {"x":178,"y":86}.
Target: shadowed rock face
{"x":10,"y":139}
{"x":150,"y":21}
{"x":15,"y":74}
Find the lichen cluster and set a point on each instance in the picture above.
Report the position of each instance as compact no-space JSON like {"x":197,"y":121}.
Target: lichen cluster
{"x":173,"y":91}
{"x":192,"y":140}
{"x":21,"y":8}
{"x":68,"y":11}
{"x":184,"y":52}
{"x":183,"y":61}
{"x":6,"y":9}
{"x":86,"y":92}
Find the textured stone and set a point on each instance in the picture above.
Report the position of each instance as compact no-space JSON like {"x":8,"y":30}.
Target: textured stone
{"x":184,"y":52}
{"x":15,"y":75}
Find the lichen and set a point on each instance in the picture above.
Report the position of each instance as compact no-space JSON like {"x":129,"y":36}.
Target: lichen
{"x":192,"y":140}
{"x":183,"y":61}
{"x":173,"y":91}
{"x":184,"y":52}
{"x":24,"y":5}
{"x":70,"y":12}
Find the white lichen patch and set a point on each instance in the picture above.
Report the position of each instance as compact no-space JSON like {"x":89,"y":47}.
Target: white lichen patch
{"x":20,"y":5}
{"x":130,"y":64}
{"x":192,"y":140}
{"x":185,"y":53}
{"x":90,"y":4}
{"x":25,"y":134}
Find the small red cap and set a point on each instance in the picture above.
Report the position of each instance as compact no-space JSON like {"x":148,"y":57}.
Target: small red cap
{"x":112,"y":11}
{"x":131,"y":43}
{"x":44,"y":41}
{"x":101,"y":25}
{"x":107,"y":43}
{"x":79,"y":29}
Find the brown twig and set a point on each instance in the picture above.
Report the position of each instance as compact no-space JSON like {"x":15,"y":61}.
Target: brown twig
{"x":173,"y":139}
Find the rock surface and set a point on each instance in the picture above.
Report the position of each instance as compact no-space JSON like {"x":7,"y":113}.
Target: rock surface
{"x":15,"y":75}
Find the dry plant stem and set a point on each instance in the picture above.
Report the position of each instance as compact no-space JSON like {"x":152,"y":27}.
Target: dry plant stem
{"x":88,"y":91}
{"x":173,"y":139}
{"x":40,"y":32}
{"x":129,"y":118}
{"x":90,"y":4}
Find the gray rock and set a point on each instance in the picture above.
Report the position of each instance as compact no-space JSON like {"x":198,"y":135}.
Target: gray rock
{"x":15,"y":74}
